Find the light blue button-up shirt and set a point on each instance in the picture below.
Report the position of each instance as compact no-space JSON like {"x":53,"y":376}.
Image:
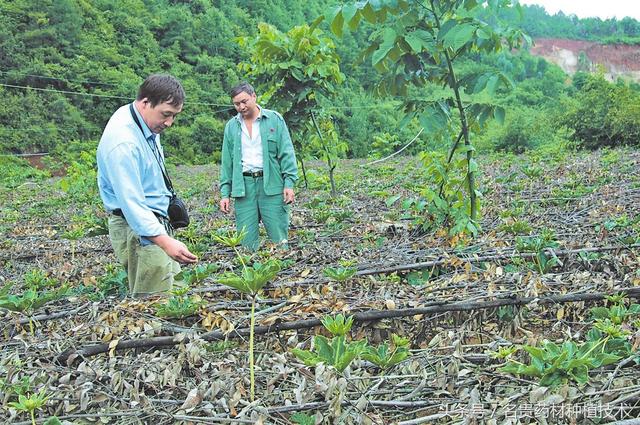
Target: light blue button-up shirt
{"x":129,"y":175}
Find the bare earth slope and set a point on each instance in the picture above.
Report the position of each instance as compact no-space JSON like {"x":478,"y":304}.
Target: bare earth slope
{"x":617,"y":60}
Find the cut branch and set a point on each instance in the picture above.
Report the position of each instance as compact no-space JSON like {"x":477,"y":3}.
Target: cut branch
{"x":317,"y":405}
{"x":71,"y":355}
{"x":433,"y":263}
{"x":480,"y":259}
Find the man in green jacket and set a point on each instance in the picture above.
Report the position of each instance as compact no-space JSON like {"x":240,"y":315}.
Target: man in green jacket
{"x":258,"y":169}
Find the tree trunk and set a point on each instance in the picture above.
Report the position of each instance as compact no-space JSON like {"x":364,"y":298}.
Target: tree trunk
{"x":453,"y":83}
{"x":304,"y":173}
{"x":330,"y":162}
{"x":332,"y":168}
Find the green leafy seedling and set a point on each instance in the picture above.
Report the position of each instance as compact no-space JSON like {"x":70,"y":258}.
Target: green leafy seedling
{"x":532,"y":171}
{"x":300,"y":418}
{"x":251,"y":282}
{"x":506,"y":313}
{"x":504,"y":352}
{"x":516,"y":227}
{"x":179,"y":305}
{"x":340,"y":274}
{"x":538,"y":245}
{"x":197,"y":274}
{"x":617,"y":313}
{"x":115,"y":281}
{"x":37,"y":279}
{"x":75,"y":233}
{"x":30,"y":299}
{"x":31,"y":403}
{"x":231,"y":239}
{"x":612,"y":329}
{"x":615,"y":337}
{"x":219,"y":346}
{"x":557,"y":364}
{"x":22,"y":386}
{"x":252,"y":279}
{"x":339,"y":325}
{"x":588,"y":257}
{"x":385,"y":357}
{"x":618,"y":298}
{"x":336,"y":352}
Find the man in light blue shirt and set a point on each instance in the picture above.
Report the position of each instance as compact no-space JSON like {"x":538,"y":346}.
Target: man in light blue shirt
{"x":130,"y":179}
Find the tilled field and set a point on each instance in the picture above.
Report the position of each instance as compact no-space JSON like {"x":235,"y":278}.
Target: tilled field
{"x":559,"y":235}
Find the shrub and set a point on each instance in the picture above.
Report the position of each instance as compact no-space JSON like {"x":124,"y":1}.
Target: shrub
{"x":16,"y":171}
{"x":604,"y":114}
{"x":524,"y":129}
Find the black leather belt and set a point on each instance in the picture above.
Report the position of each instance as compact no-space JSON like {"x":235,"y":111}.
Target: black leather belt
{"x":253,"y":174}
{"x":119,"y":213}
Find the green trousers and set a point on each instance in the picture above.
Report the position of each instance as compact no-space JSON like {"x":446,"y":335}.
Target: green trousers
{"x":256,"y":206}
{"x":149,"y":269}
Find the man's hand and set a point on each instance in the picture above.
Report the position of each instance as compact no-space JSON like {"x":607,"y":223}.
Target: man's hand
{"x":289,"y":196}
{"x":174,"y":248}
{"x":224,"y":205}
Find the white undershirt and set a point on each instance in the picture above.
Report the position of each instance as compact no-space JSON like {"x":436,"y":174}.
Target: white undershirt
{"x":251,"y":145}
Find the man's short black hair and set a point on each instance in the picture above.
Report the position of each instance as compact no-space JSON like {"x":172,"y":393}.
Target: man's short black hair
{"x":242,"y":87}
{"x":160,"y":88}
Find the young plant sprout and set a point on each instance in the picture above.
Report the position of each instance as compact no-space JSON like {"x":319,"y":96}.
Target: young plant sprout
{"x":250,"y":282}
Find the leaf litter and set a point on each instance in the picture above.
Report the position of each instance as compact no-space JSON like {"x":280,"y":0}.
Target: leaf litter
{"x":452,"y":375}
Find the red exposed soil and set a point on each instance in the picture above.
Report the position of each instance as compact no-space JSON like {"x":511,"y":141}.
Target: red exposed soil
{"x":623,"y":56}
{"x":616,"y":58}
{"x":36,"y":160}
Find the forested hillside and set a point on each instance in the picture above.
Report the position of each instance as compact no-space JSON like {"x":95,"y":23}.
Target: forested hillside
{"x":66,"y":65}
{"x":539,"y":23}
{"x":83,"y":59}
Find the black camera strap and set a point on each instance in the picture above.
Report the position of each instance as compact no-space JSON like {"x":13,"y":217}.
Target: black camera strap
{"x":154,"y":150}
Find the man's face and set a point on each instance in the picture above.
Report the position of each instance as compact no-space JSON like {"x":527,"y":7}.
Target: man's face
{"x":245,"y":104}
{"x":159,"y":117}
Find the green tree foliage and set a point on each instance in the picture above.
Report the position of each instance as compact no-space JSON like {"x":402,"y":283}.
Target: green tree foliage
{"x":536,"y":22}
{"x":66,"y":65}
{"x":294,"y":69}
{"x":524,"y":129}
{"x":604,"y":114}
{"x":419,"y":42}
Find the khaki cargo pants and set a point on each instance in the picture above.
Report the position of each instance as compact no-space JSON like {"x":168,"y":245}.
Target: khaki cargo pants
{"x":149,"y":269}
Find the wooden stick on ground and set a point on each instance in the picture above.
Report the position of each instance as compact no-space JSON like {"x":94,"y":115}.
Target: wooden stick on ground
{"x":439,"y":262}
{"x":71,"y":355}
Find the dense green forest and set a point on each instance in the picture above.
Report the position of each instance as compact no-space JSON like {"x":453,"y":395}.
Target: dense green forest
{"x":66,"y":65}
{"x":539,"y":23}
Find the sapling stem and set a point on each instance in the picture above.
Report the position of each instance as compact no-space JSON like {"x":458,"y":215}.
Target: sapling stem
{"x":244,"y":266}
{"x":252,"y":377}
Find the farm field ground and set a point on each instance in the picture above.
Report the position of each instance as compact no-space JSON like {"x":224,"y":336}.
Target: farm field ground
{"x":560,"y":236}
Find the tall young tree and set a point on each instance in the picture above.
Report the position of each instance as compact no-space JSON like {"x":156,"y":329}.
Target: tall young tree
{"x":420,"y":41}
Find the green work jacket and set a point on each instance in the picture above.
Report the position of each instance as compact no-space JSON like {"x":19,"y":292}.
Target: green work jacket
{"x":280,"y":169}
